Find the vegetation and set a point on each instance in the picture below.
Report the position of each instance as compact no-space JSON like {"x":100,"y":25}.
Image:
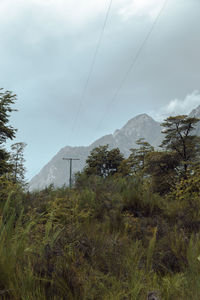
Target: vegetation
{"x":179,"y":138}
{"x":103,"y":162}
{"x":7,"y":132}
{"x":17,"y":162}
{"x":129,"y":227}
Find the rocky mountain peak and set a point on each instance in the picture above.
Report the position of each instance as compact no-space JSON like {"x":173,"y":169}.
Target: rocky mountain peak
{"x":141,"y":126}
{"x":141,"y":119}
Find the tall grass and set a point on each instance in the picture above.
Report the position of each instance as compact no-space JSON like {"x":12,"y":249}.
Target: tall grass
{"x":110,"y":240}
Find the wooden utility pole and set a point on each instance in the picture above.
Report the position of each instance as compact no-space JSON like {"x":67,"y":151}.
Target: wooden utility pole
{"x":70,"y":171}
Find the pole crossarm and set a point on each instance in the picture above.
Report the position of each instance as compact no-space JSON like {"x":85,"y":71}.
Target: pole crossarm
{"x":65,"y":158}
{"x":70,"y":159}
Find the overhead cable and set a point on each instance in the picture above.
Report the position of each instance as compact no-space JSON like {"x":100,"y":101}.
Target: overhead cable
{"x":92,"y":66}
{"x":132,"y":65}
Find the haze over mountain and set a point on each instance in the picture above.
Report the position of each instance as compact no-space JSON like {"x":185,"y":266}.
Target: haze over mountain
{"x":142,"y":126}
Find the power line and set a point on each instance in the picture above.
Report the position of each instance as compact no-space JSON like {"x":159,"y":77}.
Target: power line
{"x":92,"y":66}
{"x":132,"y":65}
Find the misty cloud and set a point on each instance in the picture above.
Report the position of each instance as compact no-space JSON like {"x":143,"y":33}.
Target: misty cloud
{"x":178,"y":106}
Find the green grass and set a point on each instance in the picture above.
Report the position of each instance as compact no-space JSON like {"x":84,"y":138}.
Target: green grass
{"x":110,"y":239}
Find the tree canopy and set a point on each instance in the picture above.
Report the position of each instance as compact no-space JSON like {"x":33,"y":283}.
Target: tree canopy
{"x":17,"y":162}
{"x":136,"y":159}
{"x":179,"y":137}
{"x":7,"y":132}
{"x":103,"y":162}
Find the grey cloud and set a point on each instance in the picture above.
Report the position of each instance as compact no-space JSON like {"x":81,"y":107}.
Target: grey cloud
{"x":46,"y":62}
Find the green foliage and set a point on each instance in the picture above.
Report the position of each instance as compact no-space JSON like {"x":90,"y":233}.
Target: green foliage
{"x":183,"y":202}
{"x":5,"y":167}
{"x":150,"y":250}
{"x":103,"y":162}
{"x":137,"y":157}
{"x":128,"y":227}
{"x":7,"y":132}
{"x":179,"y":138}
{"x":17,"y":162}
{"x":162,"y":167}
{"x":108,"y":238}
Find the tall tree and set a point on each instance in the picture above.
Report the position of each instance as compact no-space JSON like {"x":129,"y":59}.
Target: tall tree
{"x":103,"y":162}
{"x":17,"y":161}
{"x":7,"y":132}
{"x":179,"y":138}
{"x":114,"y":160}
{"x":136,"y":159}
{"x":162,"y":168}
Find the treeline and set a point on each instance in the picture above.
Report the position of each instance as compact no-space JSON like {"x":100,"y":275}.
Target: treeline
{"x":128,"y":229}
{"x":177,"y":159}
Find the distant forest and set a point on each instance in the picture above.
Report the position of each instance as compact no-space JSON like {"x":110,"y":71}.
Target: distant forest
{"x":128,"y":228}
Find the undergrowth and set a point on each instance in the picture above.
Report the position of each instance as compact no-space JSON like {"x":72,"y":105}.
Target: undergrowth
{"x":104,"y":239}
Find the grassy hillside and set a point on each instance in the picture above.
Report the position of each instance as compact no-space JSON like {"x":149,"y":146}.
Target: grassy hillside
{"x":107,"y":238}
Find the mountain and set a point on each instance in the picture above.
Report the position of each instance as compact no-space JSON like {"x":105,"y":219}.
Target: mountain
{"x":196,"y":113}
{"x":141,"y":126}
{"x":57,"y":170}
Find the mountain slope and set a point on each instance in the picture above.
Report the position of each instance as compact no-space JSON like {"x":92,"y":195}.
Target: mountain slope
{"x":142,"y":126}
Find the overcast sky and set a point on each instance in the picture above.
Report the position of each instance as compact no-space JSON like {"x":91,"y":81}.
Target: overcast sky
{"x":47,"y":47}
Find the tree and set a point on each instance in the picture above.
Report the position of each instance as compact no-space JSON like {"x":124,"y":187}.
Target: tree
{"x":7,"y":132}
{"x":189,"y":188}
{"x":136,"y":159}
{"x":179,"y":138}
{"x":17,"y":161}
{"x":103,"y":162}
{"x":114,"y":160}
{"x":162,"y":168}
{"x":125,"y":168}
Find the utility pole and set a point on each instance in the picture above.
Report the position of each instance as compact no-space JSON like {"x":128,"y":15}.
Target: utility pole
{"x":70,"y":171}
